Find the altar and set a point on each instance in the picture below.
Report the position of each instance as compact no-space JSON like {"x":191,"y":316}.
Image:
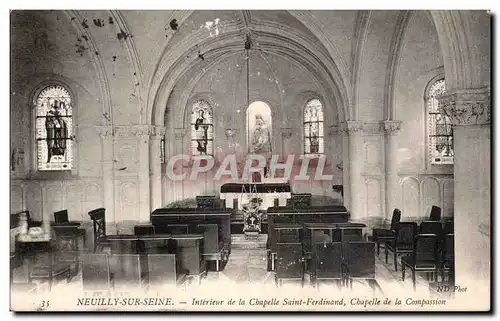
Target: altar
{"x":252,"y":199}
{"x":267,"y":191}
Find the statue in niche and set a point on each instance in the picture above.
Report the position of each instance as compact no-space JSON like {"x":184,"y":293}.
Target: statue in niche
{"x":261,"y":143}
{"x":261,"y":138}
{"x":57,"y":131}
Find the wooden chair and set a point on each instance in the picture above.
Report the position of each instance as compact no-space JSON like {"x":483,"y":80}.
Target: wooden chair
{"x":326,"y":263}
{"x":212,"y":248}
{"x":289,"y":263}
{"x":448,"y":227}
{"x":98,"y":217}
{"x":435,"y":213}
{"x":424,"y":257}
{"x":163,"y":271}
{"x":403,"y":243}
{"x":68,"y":248}
{"x":448,"y":257}
{"x":43,"y":266}
{"x":96,"y":275}
{"x":129,"y":272}
{"x":382,"y":236}
{"x":61,"y":216}
{"x":430,"y":227}
{"x":359,"y":262}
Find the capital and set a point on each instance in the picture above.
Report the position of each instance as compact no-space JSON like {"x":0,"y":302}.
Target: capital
{"x":467,"y":107}
{"x":392,"y":127}
{"x":179,"y":133}
{"x":105,"y":132}
{"x":352,"y":127}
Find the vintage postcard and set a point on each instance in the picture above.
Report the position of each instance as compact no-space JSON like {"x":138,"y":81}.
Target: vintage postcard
{"x":250,"y":160}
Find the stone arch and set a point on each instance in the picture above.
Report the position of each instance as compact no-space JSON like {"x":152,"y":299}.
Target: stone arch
{"x":288,"y":43}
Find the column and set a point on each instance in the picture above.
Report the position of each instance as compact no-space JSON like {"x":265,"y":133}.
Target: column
{"x":391,"y":128}
{"x":107,"y":140}
{"x":354,"y":130}
{"x":178,"y":148}
{"x":155,"y":167}
{"x":142,"y":132}
{"x":469,"y":111}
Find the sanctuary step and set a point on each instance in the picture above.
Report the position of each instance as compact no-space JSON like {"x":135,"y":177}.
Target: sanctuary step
{"x":239,"y":241}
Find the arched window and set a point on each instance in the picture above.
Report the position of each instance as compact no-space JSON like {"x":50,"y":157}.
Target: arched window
{"x":202,"y":129}
{"x":313,"y":127}
{"x":54,"y":129}
{"x":439,"y":127}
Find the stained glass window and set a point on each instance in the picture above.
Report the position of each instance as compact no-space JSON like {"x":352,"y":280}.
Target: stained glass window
{"x":54,"y":129}
{"x":440,"y":128}
{"x":313,"y":127}
{"x":202,"y":129}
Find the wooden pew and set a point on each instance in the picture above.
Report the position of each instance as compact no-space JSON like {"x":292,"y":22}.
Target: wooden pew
{"x":163,"y":217}
{"x":189,"y":249}
{"x":313,"y":214}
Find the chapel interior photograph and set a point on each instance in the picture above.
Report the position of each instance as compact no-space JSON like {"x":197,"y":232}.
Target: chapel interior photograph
{"x":328,"y":151}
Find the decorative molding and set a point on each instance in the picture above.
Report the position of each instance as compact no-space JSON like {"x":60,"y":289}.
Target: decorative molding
{"x":179,"y":133}
{"x":467,"y":107}
{"x":333,"y":131}
{"x":352,"y":127}
{"x":392,"y":127}
{"x":159,"y":131}
{"x":105,"y":132}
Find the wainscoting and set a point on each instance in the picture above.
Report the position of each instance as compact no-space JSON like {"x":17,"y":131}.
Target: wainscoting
{"x":419,"y":192}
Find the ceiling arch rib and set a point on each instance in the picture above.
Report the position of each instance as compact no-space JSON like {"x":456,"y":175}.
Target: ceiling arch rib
{"x":293,"y":43}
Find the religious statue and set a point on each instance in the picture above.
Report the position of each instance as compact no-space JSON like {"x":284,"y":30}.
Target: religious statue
{"x":57,"y":130}
{"x":261,"y":143}
{"x":261,"y":138}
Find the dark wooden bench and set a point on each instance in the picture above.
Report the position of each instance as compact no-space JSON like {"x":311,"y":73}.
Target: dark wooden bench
{"x":164,"y":218}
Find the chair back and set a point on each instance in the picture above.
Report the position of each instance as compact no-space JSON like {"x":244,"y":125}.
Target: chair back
{"x":95,"y":272}
{"x":127,"y":270}
{"x":360,"y":259}
{"x":435,"y":214}
{"x":426,"y":247}
{"x":210,"y":237}
{"x":162,"y":270}
{"x":406,"y":232}
{"x":327,"y":260}
{"x":396,"y":218}
{"x":431,"y":227}
{"x":448,"y":227}
{"x":449,"y":248}
{"x":98,"y":217}
{"x":289,"y":261}
{"x":61,"y":216}
{"x":144,"y":230}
